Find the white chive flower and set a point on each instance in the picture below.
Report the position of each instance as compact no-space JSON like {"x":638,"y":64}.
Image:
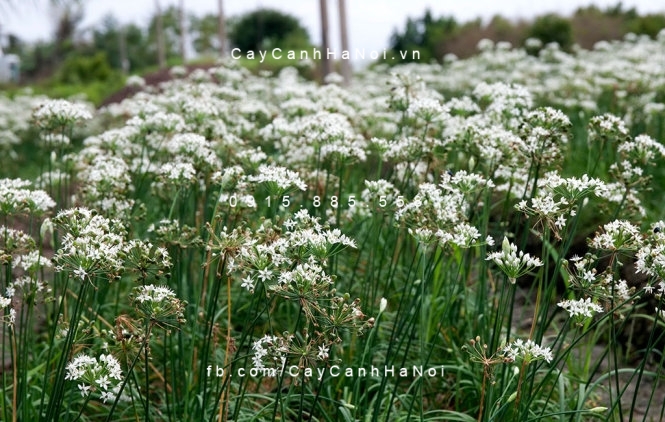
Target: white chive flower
{"x":528,"y":351}
{"x":580,"y":307}
{"x":512,"y":263}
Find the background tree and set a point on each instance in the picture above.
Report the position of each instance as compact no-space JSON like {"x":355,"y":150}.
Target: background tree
{"x":158,"y":30}
{"x":11,"y":44}
{"x":67,"y":16}
{"x":204,"y":32}
{"x":171,"y":31}
{"x":591,"y":24}
{"x":182,"y":26}
{"x":344,"y":39}
{"x":221,"y":30}
{"x":268,"y":28}
{"x":81,"y":70}
{"x":553,"y":28}
{"x":108,"y":37}
{"x":426,"y":35}
{"x":139,"y":48}
{"x":649,"y":25}
{"x":326,"y":66}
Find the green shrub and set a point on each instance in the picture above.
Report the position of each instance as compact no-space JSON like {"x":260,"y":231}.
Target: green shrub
{"x":85,"y":69}
{"x":553,"y":28}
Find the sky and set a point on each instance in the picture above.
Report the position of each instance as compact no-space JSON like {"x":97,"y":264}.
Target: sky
{"x":370,"y":22}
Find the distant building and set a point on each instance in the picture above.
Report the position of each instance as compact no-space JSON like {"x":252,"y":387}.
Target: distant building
{"x":10,"y":65}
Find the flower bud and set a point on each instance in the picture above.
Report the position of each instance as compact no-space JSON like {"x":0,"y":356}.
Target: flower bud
{"x":505,"y":246}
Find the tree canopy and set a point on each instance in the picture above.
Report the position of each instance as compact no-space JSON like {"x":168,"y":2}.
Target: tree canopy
{"x":268,"y":28}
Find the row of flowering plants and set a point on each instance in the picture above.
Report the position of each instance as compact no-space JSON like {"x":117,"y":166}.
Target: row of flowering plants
{"x":437,"y":243}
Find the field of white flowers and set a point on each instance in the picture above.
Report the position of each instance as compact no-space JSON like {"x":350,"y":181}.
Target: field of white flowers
{"x":479,"y":240}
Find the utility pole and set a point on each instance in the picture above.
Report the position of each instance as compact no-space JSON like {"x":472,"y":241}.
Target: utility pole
{"x":124,"y":62}
{"x":221,"y":28}
{"x":343,"y":30}
{"x":325,"y":63}
{"x":161,"y":53}
{"x":183,"y":31}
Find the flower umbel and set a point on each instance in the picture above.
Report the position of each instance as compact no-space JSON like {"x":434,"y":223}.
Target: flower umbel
{"x":528,"y":351}
{"x":159,"y":304}
{"x":580,"y":308}
{"x":512,"y":263}
{"x":102,"y":375}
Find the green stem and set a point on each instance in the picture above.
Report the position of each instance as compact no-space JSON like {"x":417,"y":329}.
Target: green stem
{"x":124,"y":382}
{"x":146,"y":351}
{"x":55,"y":404}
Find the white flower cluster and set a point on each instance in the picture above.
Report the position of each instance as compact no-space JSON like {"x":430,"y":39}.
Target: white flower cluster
{"x":28,"y":285}
{"x":16,"y":118}
{"x":512,"y":263}
{"x":504,"y":100}
{"x":559,"y":198}
{"x":272,"y":347}
{"x":439,"y":213}
{"x":158,"y":122}
{"x":642,"y":149}
{"x":253,"y":156}
{"x":31,"y":262}
{"x":608,"y":126}
{"x":580,"y":307}
{"x":528,"y":351}
{"x":17,"y":198}
{"x":91,"y":244}
{"x":431,"y":207}
{"x":572,"y":189}
{"x":106,"y":185}
{"x":627,"y":173}
{"x":545,"y":134}
{"x":316,"y":136}
{"x":6,"y":303}
{"x":178,"y":173}
{"x":620,"y":193}
{"x":378,"y":195}
{"x":617,"y":235}
{"x":60,"y":113}
{"x":651,"y":255}
{"x":172,"y":232}
{"x":102,"y":375}
{"x":121,"y":142}
{"x":427,"y":109}
{"x":17,"y":248}
{"x":405,"y":148}
{"x":155,"y":294}
{"x":276,"y":263}
{"x":193,"y":148}
{"x":302,"y":277}
{"x":464,"y":182}
{"x":159,"y":304}
{"x":278,"y":180}
{"x":598,"y":287}
{"x":291,"y":265}
{"x":135,"y":81}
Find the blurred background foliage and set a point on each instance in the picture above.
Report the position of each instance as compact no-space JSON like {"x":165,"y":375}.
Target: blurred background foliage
{"x":436,"y":37}
{"x":95,"y":60}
